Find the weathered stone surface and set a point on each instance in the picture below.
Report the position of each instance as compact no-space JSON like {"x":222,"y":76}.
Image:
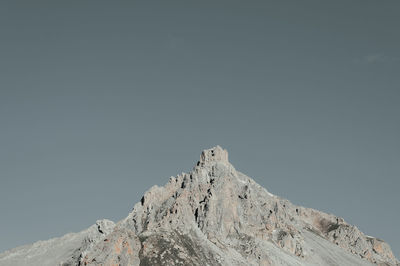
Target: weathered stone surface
{"x":215,"y":215}
{"x":63,"y":251}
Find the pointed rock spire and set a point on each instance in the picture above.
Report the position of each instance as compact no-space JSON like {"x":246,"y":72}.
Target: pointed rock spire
{"x":213,"y":155}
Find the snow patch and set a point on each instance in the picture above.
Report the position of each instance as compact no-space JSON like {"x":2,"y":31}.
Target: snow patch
{"x":269,"y":194}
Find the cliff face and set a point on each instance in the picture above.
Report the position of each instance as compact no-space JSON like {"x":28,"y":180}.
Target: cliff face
{"x":215,"y":215}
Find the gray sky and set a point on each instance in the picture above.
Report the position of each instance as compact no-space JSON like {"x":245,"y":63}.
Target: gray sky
{"x":101,"y":100}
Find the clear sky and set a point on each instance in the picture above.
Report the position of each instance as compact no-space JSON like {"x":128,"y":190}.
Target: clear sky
{"x":100,"y":100}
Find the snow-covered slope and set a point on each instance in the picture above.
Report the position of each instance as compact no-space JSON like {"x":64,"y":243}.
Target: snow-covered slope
{"x":213,"y":215}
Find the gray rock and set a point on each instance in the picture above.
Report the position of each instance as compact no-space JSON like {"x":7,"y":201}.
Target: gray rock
{"x":213,"y":215}
{"x":66,"y":250}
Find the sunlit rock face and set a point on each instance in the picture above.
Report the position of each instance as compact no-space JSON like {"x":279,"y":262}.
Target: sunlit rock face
{"x":215,"y":215}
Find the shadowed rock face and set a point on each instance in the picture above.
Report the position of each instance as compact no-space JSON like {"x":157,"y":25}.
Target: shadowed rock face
{"x":215,"y":215}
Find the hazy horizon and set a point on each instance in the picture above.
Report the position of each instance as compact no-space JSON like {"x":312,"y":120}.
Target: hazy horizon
{"x":99,"y":101}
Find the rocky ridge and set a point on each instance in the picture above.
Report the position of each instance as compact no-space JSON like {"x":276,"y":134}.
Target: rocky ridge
{"x":215,"y":215}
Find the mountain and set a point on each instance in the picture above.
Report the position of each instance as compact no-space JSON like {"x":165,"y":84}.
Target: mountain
{"x":213,"y":215}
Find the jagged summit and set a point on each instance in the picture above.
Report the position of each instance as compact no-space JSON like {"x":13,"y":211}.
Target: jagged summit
{"x":214,"y":154}
{"x":213,"y":215}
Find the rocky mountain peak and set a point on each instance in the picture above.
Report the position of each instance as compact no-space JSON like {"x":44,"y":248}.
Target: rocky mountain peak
{"x":215,"y":154}
{"x":215,"y":215}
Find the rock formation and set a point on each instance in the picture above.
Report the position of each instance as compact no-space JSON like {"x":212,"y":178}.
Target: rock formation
{"x":213,"y":215}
